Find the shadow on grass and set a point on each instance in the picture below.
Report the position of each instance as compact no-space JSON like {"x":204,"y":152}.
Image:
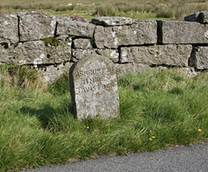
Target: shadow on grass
{"x":47,"y":113}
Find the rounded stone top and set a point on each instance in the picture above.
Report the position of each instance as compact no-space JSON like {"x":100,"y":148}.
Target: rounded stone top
{"x":95,"y":61}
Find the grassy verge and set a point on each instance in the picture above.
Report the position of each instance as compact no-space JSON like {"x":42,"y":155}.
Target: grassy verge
{"x":158,"y":109}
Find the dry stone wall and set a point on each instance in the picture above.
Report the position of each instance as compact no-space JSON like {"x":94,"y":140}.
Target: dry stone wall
{"x":53,"y":44}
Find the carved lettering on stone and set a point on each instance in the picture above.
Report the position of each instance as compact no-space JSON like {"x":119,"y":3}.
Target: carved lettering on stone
{"x":95,"y":90}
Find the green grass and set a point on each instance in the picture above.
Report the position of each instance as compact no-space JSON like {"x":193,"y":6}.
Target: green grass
{"x":138,"y":9}
{"x":158,"y":109}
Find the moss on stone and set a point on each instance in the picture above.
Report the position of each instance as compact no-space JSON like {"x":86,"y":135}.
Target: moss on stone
{"x":51,"y":41}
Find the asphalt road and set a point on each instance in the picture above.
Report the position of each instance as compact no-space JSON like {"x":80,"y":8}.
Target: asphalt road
{"x":180,"y":159}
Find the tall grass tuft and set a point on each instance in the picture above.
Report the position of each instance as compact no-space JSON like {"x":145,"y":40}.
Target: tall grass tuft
{"x":20,"y":76}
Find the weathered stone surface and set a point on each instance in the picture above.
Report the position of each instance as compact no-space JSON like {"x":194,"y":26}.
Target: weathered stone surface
{"x":174,"y":55}
{"x":78,"y":54}
{"x":36,"y":53}
{"x":201,"y":17}
{"x":188,"y":71}
{"x":95,"y":90}
{"x":136,"y":34}
{"x":35,"y":26}
{"x":128,"y":68}
{"x":179,"y":32}
{"x":123,"y":69}
{"x":199,"y":58}
{"x":113,"y":55}
{"x":82,"y":44}
{"x":8,"y":28}
{"x":67,"y":26}
{"x":112,"y":21}
{"x":52,"y":73}
{"x":6,"y":54}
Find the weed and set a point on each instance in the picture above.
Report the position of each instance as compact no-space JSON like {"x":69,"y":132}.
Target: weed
{"x":20,"y":76}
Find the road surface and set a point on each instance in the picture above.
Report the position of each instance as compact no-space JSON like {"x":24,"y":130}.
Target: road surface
{"x":180,"y":159}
